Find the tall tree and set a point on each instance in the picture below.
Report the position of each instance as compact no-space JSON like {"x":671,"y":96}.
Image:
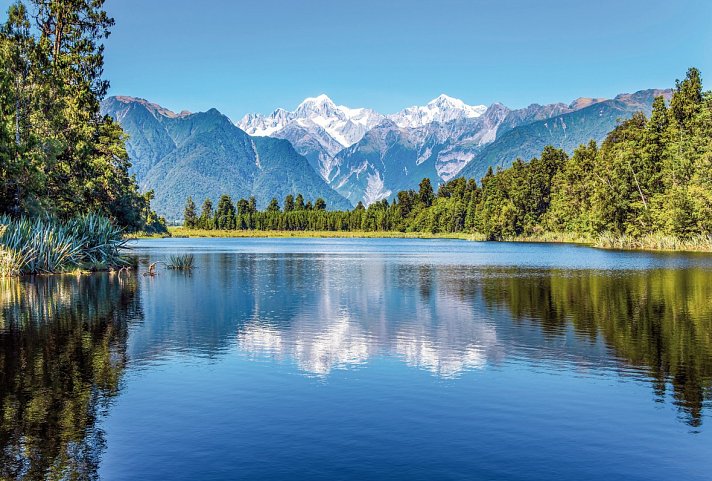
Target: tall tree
{"x":273,"y":206}
{"x":289,"y":203}
{"x":225,"y":213}
{"x":206,"y":215}
{"x":425,"y":193}
{"x":687,"y":99}
{"x":190,"y":218}
{"x":65,"y":157}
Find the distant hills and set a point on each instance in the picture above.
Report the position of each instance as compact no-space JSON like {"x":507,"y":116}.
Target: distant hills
{"x":346,"y":155}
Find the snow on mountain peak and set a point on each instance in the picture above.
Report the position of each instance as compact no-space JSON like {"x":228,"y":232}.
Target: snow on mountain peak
{"x":345,"y":125}
{"x":441,"y":109}
{"x":319,"y":99}
{"x":446,"y":100}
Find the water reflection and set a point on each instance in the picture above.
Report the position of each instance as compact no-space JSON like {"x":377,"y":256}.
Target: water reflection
{"x":62,"y":357}
{"x":325,"y":312}
{"x":658,"y":320}
{"x":66,"y":342}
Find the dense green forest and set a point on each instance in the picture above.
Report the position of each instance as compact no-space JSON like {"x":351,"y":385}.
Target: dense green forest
{"x":58,"y":155}
{"x":650,"y":176}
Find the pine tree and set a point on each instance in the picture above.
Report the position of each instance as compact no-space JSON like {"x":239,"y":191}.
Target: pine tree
{"x":687,"y":98}
{"x":64,"y":157}
{"x":206,"y":215}
{"x":425,"y":193}
{"x":273,"y":206}
{"x":190,"y":219}
{"x":225,"y":213}
{"x":289,"y":203}
{"x":299,"y":202}
{"x":319,"y":204}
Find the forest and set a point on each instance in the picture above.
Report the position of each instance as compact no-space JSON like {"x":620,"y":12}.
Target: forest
{"x":650,"y":179}
{"x":59,"y":157}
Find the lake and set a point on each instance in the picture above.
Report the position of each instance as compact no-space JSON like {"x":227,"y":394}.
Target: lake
{"x":354,"y":359}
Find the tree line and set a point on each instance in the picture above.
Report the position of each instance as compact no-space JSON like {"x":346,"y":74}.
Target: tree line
{"x":58,"y":155}
{"x":649,"y":175}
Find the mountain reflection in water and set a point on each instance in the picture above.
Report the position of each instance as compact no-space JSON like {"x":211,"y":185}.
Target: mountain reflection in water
{"x":67,"y":342}
{"x":323,"y":312}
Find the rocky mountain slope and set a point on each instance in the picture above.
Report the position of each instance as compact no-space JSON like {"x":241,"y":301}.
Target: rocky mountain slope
{"x":565,"y":131}
{"x":440,"y":140}
{"x":206,"y":155}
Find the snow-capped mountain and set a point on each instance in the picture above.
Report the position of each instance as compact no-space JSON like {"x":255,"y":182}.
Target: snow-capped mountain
{"x":393,"y":157}
{"x":204,"y":155}
{"x":367,"y":156}
{"x":442,"y":109}
{"x":318,"y":128}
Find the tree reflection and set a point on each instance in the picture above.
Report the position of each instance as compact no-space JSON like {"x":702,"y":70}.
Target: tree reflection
{"x":62,"y":356}
{"x":659,"y":320}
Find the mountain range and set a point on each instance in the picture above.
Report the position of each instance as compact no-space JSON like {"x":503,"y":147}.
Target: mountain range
{"x":205,"y":155}
{"x":346,"y":155}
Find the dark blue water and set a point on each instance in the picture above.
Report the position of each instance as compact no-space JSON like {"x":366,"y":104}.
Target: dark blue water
{"x":363,"y":359}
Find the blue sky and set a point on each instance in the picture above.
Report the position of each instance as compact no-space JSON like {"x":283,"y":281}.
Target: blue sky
{"x":252,"y":56}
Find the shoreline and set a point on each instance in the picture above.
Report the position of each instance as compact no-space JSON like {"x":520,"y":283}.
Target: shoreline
{"x":647,"y":244}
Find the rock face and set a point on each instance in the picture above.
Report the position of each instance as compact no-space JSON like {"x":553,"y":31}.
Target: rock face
{"x":206,"y":155}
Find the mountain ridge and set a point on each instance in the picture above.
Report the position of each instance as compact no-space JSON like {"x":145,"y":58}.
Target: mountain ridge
{"x":204,"y":155}
{"x":360,"y":154}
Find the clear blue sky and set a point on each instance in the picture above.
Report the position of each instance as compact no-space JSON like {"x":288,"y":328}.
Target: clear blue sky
{"x":243,"y":56}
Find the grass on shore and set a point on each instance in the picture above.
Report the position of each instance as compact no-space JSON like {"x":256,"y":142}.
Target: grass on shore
{"x":185,"y":232}
{"x":652,"y":242}
{"x":658,"y":242}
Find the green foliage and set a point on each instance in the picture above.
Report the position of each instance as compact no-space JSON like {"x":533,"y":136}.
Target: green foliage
{"x":189,"y":216}
{"x":181,"y":262}
{"x":58,"y":155}
{"x":225,"y":214}
{"x":206,"y":215}
{"x":648,"y":184}
{"x":34,"y":246}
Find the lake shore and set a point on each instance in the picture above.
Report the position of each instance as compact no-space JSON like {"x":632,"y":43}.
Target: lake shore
{"x":658,"y":243}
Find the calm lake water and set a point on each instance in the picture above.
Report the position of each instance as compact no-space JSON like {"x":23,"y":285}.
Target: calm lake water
{"x":362,"y":359}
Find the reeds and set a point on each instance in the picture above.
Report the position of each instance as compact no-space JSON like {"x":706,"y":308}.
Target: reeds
{"x":180,"y":262}
{"x":655,"y":241}
{"x":36,"y":246}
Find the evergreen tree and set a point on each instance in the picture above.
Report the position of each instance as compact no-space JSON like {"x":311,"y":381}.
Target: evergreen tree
{"x":206,"y":215}
{"x":687,"y":99}
{"x":319,"y":204}
{"x":190,"y":219}
{"x":225,"y":213}
{"x":273,"y":206}
{"x":425,"y":193}
{"x":63,"y":157}
{"x":299,"y":202}
{"x":289,"y":203}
